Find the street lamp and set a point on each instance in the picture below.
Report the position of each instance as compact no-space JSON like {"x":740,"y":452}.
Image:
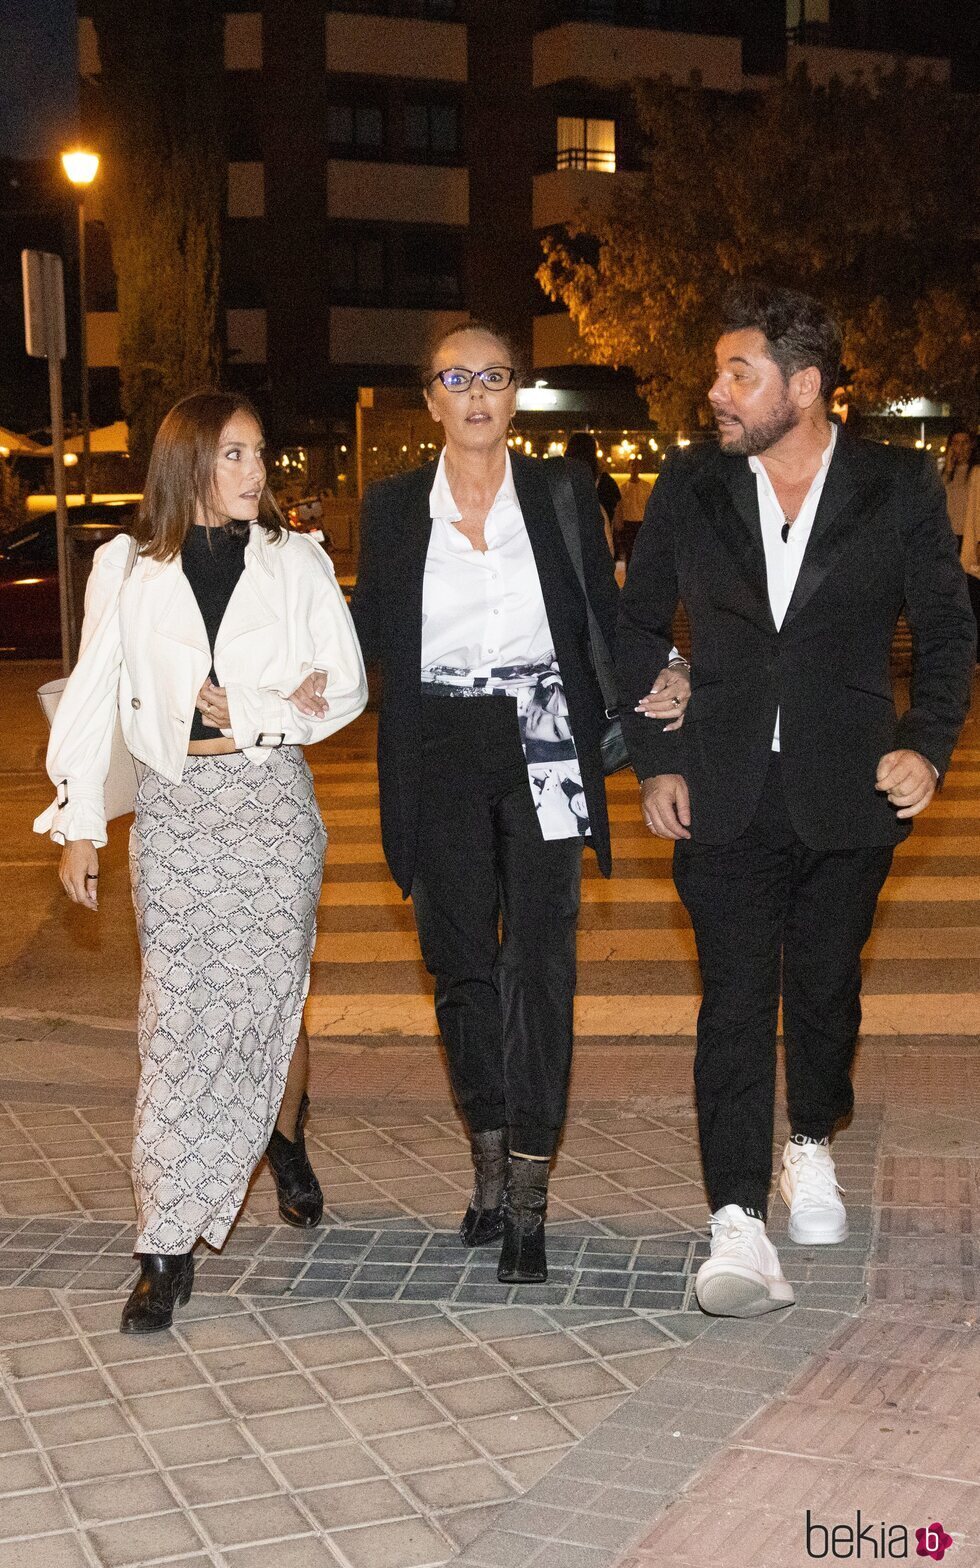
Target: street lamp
{"x":81,"y":168}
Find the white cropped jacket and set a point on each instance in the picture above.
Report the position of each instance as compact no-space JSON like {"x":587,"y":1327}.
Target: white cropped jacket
{"x":145,"y":650}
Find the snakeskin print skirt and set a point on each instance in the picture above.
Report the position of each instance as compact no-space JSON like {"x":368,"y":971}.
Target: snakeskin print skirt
{"x":226,"y":868}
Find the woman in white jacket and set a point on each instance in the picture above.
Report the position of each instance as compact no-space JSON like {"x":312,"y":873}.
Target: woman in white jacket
{"x":225,"y":645}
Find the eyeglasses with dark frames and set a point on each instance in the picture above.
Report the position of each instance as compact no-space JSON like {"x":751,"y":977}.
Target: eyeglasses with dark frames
{"x":496,"y":378}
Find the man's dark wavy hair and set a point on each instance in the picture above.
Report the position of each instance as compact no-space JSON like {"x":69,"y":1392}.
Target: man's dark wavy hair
{"x":798,"y":330}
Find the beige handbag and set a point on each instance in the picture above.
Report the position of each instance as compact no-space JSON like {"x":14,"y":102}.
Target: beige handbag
{"x":124,"y":770}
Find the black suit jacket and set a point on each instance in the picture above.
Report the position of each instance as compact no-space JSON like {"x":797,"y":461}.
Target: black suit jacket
{"x":387,"y":611}
{"x":881,"y":541}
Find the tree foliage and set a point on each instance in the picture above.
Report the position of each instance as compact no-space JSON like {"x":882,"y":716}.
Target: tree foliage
{"x":862,"y":193}
{"x":163,"y":188}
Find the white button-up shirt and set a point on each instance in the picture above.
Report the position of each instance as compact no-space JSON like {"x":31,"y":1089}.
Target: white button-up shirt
{"x":481,"y":610}
{"x":783,"y":561}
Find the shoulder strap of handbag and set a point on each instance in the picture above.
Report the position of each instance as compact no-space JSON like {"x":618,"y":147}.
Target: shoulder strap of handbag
{"x":563,"y":499}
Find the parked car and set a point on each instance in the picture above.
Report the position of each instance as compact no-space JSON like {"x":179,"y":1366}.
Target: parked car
{"x":30,"y":615}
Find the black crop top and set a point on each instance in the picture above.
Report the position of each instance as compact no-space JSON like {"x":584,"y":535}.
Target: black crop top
{"x":213,"y":560}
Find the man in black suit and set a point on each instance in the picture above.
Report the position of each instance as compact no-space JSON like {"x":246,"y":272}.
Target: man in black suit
{"x":793,"y":547}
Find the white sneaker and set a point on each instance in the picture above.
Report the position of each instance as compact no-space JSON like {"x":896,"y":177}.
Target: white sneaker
{"x":808,"y":1183}
{"x":742,"y":1278}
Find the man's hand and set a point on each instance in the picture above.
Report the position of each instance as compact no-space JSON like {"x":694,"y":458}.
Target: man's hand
{"x":79,"y":872}
{"x":666,"y":805}
{"x":908,"y":779}
{"x":308,"y":696}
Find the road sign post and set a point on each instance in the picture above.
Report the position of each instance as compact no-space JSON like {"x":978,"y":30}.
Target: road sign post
{"x":44,"y":333}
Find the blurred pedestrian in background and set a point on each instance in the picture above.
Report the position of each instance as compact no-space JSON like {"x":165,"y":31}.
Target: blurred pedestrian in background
{"x":581,"y":447}
{"x":628,"y":515}
{"x":961,"y":478}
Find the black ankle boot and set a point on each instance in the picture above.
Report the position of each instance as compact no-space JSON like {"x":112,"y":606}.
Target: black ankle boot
{"x":164,"y":1283}
{"x":300,"y":1197}
{"x":484,"y":1219}
{"x":522,"y":1257}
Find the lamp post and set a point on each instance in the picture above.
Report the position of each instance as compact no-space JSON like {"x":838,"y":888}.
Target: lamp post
{"x":81,"y":168}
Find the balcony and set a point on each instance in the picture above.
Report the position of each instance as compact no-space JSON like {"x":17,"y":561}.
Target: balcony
{"x":825,"y":61}
{"x":561,"y":193}
{"x":610,"y":56}
{"x":397,"y":193}
{"x":362,"y":336}
{"x":396,"y":46}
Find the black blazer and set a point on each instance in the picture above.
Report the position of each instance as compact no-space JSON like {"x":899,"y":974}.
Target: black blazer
{"x":881,"y":541}
{"x":387,"y":610}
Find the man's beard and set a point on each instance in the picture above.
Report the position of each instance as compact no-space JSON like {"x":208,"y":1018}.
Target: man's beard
{"x":758,"y":438}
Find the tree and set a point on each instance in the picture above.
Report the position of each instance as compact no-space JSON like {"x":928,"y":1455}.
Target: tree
{"x":862,"y":193}
{"x":164,"y":180}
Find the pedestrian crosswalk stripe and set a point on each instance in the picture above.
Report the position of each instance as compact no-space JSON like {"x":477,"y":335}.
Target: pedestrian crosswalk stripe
{"x":916,"y":888}
{"x":342,"y":853}
{"x":368,"y":816}
{"x":644,"y":946}
{"x":411,"y":1014}
{"x":930,"y":914}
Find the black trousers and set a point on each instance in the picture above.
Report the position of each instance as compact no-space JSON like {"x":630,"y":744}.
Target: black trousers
{"x":504,"y":1003}
{"x":766,"y":909}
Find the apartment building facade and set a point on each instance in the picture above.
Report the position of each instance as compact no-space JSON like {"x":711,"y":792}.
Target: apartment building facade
{"x":393,"y":164}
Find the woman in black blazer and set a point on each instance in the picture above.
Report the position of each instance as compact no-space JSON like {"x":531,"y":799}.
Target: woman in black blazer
{"x":465,"y":591}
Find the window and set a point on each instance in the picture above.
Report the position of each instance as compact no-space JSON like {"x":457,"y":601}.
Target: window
{"x":357,"y":269}
{"x":586,"y":144}
{"x":355,"y":128}
{"x":432,"y":129}
{"x":243,"y":283}
{"x":431,"y":269}
{"x":686,"y":16}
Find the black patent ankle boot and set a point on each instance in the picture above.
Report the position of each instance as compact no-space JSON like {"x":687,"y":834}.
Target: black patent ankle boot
{"x":483,"y":1221}
{"x":522,"y":1257}
{"x":300,"y":1197}
{"x":164,"y":1283}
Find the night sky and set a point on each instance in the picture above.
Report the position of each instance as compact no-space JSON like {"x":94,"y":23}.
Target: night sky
{"x":39,"y":80}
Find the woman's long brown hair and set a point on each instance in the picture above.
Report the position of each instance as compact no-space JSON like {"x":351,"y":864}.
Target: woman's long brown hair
{"x":180,"y":478}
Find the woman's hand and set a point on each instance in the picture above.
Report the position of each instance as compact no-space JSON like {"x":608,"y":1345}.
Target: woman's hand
{"x":668,"y":698}
{"x":79,"y":872}
{"x":212,"y":704}
{"x":308,"y":696}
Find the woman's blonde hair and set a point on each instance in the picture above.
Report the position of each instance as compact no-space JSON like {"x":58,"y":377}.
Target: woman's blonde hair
{"x":486,"y":329}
